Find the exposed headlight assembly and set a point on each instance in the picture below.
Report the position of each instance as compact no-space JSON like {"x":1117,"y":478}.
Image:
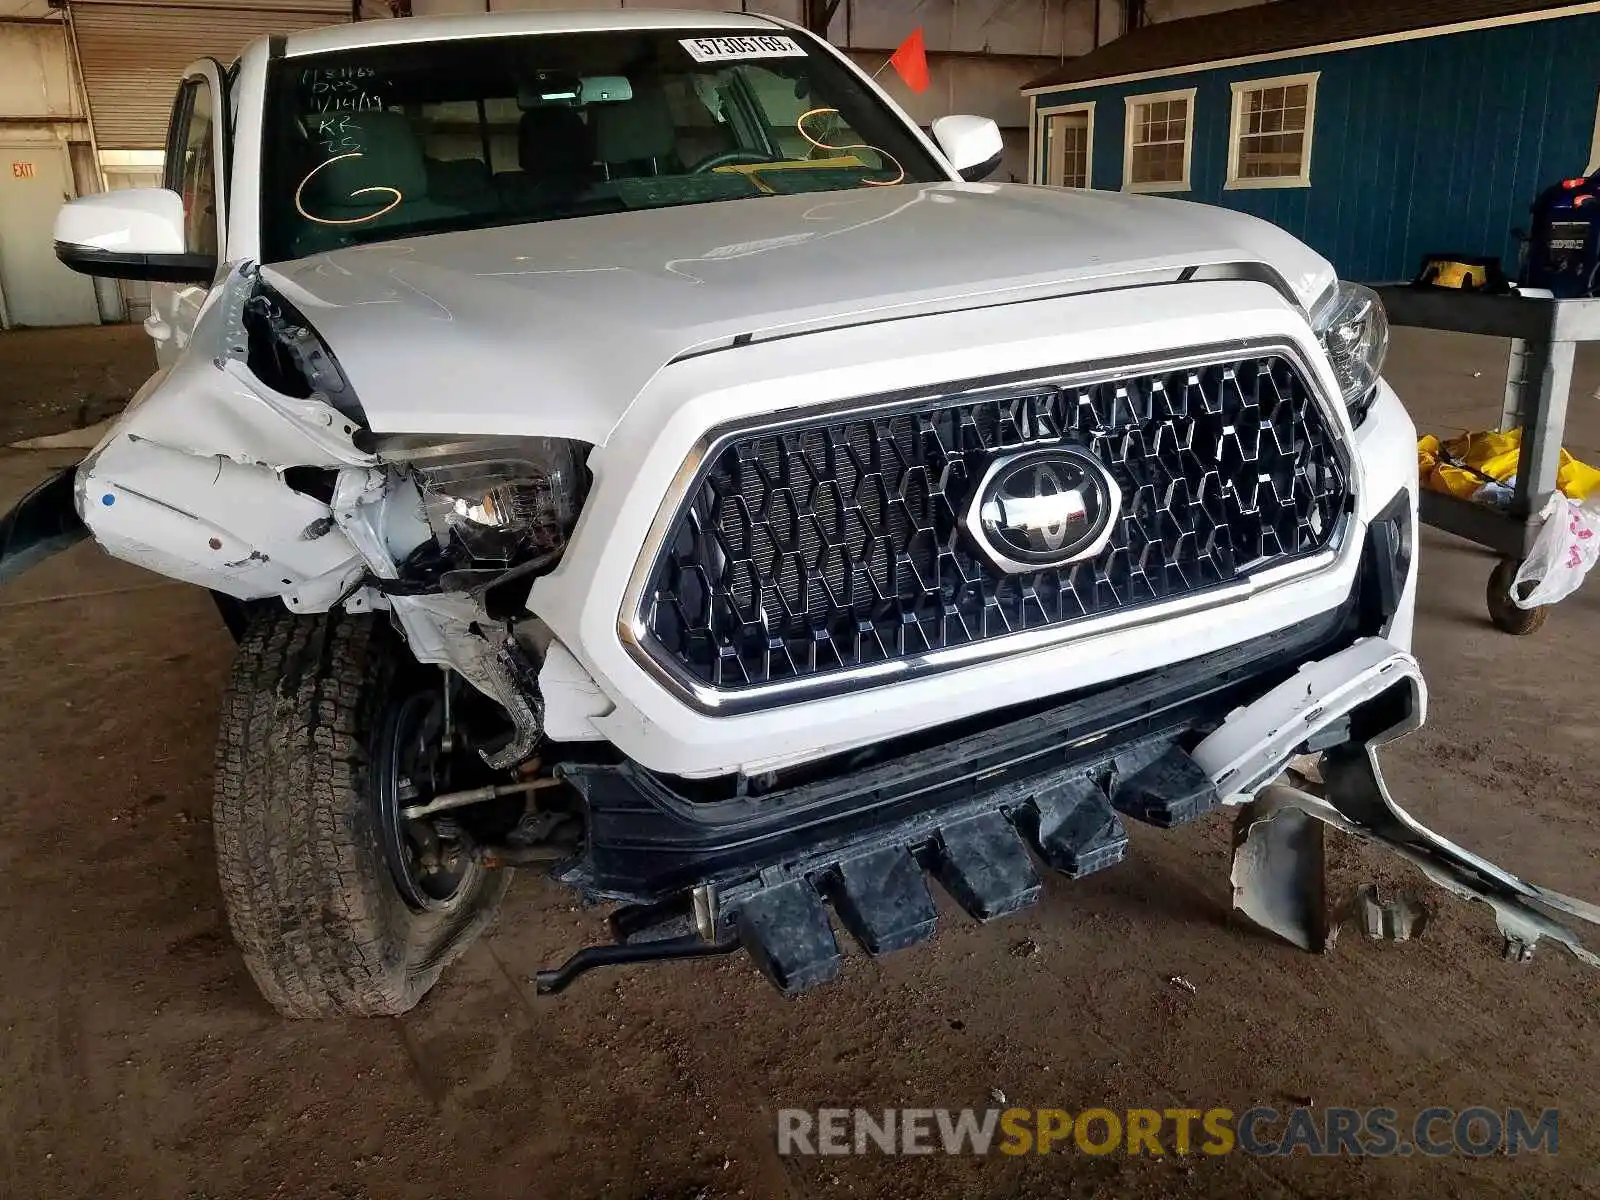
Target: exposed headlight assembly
{"x":286,"y":353}
{"x":1355,"y":333}
{"x":501,"y":501}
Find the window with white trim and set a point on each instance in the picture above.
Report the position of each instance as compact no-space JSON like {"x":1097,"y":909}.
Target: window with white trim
{"x":1269,"y":142}
{"x":1160,"y":137}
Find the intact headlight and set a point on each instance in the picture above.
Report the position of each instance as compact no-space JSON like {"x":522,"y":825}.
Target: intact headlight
{"x":501,"y":500}
{"x":1355,"y":333}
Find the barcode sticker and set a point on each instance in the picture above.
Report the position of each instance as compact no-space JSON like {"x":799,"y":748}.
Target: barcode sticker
{"x":726,"y":49}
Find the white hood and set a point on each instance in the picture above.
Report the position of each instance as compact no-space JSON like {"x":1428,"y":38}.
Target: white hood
{"x":473,"y":332}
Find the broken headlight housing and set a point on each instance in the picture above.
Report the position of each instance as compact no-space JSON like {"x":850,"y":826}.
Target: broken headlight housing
{"x":1354,"y":331}
{"x":503,"y":501}
{"x":284,"y":352}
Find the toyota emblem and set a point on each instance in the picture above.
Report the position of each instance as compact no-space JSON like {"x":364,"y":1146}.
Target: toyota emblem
{"x":1043,"y":508}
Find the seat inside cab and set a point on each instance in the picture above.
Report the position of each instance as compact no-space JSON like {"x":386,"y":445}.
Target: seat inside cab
{"x":504,"y":141}
{"x":380,"y":177}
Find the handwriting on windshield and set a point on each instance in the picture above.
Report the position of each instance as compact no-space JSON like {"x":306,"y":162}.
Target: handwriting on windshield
{"x":299,"y":203}
{"x":336,"y":134}
{"x":337,"y":97}
{"x":822,"y":115}
{"x":340,"y":89}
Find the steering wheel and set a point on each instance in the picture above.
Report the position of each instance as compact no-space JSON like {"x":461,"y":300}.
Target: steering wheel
{"x":726,"y":158}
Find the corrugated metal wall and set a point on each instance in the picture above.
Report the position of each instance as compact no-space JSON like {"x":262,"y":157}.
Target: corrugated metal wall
{"x":36,"y":80}
{"x":1433,"y":144}
{"x":132,"y":55}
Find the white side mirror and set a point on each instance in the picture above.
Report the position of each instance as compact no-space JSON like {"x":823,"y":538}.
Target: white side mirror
{"x":972,"y":144}
{"x":133,"y":233}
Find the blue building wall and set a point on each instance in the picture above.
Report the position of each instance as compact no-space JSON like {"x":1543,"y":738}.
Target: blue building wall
{"x":1439,"y":143}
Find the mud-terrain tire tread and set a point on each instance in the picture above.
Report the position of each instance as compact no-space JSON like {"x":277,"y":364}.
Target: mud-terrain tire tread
{"x":309,"y":898}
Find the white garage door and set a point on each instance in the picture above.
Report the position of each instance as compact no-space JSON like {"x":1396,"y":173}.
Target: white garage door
{"x":132,"y":54}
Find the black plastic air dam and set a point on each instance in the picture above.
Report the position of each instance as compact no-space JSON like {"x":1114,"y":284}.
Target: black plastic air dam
{"x":647,"y":839}
{"x":975,"y":805}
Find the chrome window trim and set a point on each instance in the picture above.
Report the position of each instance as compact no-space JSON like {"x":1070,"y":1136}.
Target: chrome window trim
{"x":631,"y":626}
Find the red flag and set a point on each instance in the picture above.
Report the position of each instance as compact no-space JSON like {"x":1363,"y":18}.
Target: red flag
{"x":911,"y":60}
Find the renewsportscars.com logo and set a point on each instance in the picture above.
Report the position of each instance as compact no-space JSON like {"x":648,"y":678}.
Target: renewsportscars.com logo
{"x":1321,"y":1132}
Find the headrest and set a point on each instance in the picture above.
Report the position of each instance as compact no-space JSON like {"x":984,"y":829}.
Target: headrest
{"x":554,"y":142}
{"x":634,"y":129}
{"x":390,"y":157}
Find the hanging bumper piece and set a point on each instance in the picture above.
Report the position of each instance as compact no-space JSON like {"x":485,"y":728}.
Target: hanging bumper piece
{"x":1278,"y":856}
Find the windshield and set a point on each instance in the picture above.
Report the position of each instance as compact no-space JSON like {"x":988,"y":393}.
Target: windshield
{"x":373,"y":144}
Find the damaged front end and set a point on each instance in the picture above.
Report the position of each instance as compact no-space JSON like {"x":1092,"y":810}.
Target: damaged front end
{"x":979,"y":810}
{"x":221,"y":471}
{"x":250,"y":469}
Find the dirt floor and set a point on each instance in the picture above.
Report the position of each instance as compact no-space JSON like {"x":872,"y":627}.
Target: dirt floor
{"x":52,"y":380}
{"x":137,"y":1059}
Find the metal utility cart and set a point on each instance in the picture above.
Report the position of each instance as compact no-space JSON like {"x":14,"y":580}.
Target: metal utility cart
{"x":1544,"y":337}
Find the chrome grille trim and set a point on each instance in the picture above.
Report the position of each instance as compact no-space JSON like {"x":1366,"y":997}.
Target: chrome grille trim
{"x":633,"y":627}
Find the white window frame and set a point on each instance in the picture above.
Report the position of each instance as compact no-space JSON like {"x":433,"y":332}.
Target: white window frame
{"x":1130,"y":106}
{"x":1241,"y":88}
{"x":1042,"y":142}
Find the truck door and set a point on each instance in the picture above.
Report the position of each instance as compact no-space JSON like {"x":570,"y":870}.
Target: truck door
{"x":196,"y":168}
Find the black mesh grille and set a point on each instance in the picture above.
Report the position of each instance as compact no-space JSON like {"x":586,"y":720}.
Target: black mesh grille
{"x":836,"y":545}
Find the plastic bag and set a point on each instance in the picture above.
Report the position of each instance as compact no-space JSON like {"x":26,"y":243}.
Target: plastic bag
{"x":1567,"y":545}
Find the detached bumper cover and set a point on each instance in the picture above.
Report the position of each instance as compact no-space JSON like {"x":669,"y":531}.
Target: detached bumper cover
{"x":1377,"y":693}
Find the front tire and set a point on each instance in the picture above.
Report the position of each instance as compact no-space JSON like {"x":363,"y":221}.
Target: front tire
{"x":314,"y":906}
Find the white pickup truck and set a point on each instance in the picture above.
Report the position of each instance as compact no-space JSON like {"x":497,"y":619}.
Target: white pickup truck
{"x":624,"y":443}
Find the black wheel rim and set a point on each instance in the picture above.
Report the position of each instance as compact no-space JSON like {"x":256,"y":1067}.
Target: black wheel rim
{"x":406,"y":772}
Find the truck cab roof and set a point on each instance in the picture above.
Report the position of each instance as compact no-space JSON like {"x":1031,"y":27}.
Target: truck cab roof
{"x":404,"y":30}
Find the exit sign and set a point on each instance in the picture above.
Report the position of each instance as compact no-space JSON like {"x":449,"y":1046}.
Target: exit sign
{"x":21,"y":170}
